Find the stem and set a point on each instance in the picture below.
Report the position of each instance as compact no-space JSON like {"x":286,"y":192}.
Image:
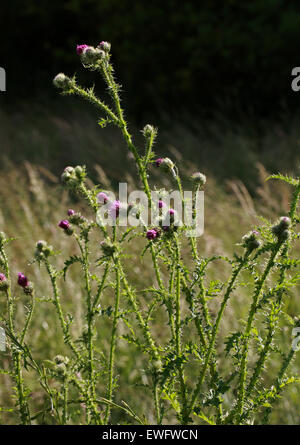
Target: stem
{"x":253,"y":308}
{"x":215,"y":331}
{"x":113,"y":345}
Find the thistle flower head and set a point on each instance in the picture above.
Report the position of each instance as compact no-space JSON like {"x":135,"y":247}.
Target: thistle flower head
{"x":2,"y":277}
{"x":22,"y":280}
{"x":102,"y":198}
{"x":71,"y":212}
{"x":81,"y":48}
{"x":161,"y":204}
{"x":158,"y":162}
{"x":114,"y":209}
{"x":64,"y":224}
{"x":151,"y":234}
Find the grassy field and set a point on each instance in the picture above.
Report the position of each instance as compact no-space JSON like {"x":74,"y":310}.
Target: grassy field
{"x":36,"y":145}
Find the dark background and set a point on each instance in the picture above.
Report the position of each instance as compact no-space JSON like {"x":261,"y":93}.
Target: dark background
{"x":233,"y":56}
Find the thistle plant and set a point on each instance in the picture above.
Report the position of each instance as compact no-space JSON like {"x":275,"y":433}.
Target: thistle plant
{"x":184,"y":364}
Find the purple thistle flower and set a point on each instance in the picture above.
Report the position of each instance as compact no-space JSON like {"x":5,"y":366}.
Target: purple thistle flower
{"x":71,"y":212}
{"x":102,"y":198}
{"x":114,"y":209}
{"x":64,"y":224}
{"x":158,"y":161}
{"x":2,"y":277}
{"x":22,"y":280}
{"x":81,"y":48}
{"x":161,"y":204}
{"x":151,"y":234}
{"x":171,"y":212}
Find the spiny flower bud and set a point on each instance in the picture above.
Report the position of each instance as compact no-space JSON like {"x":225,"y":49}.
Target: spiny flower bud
{"x":92,"y":55}
{"x":152,"y":234}
{"x":166,"y":165}
{"x":43,"y":249}
{"x":3,"y":282}
{"x":71,"y":212}
{"x":281,"y":228}
{"x":73,"y":177}
{"x":107,"y":248}
{"x":149,"y":131}
{"x":250,"y":241}
{"x":105,"y":46}
{"x":25,"y":284}
{"x":66,"y":226}
{"x":62,"y":81}
{"x":198,"y":178}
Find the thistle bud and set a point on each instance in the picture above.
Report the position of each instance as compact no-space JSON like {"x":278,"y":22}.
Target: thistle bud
{"x":107,"y":248}
{"x":149,"y":131}
{"x":3,"y":283}
{"x":105,"y":46}
{"x":250,"y":241}
{"x":166,"y":165}
{"x":91,"y":55}
{"x":281,"y":228}
{"x":62,"y":81}
{"x":198,"y":178}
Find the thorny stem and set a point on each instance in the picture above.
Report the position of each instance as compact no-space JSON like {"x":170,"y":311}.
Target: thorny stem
{"x":215,"y":331}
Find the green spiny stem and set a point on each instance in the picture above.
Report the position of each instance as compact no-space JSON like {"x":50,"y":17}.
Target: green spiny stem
{"x":140,"y":319}
{"x":16,"y":354}
{"x":90,"y":96}
{"x":113,"y":346}
{"x":102,"y":284}
{"x":89,"y":314}
{"x":215,"y":331}
{"x":65,"y":400}
{"x":56,"y":301}
{"x":28,"y":319}
{"x":252,"y":312}
{"x":179,"y":333}
{"x":272,"y":325}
